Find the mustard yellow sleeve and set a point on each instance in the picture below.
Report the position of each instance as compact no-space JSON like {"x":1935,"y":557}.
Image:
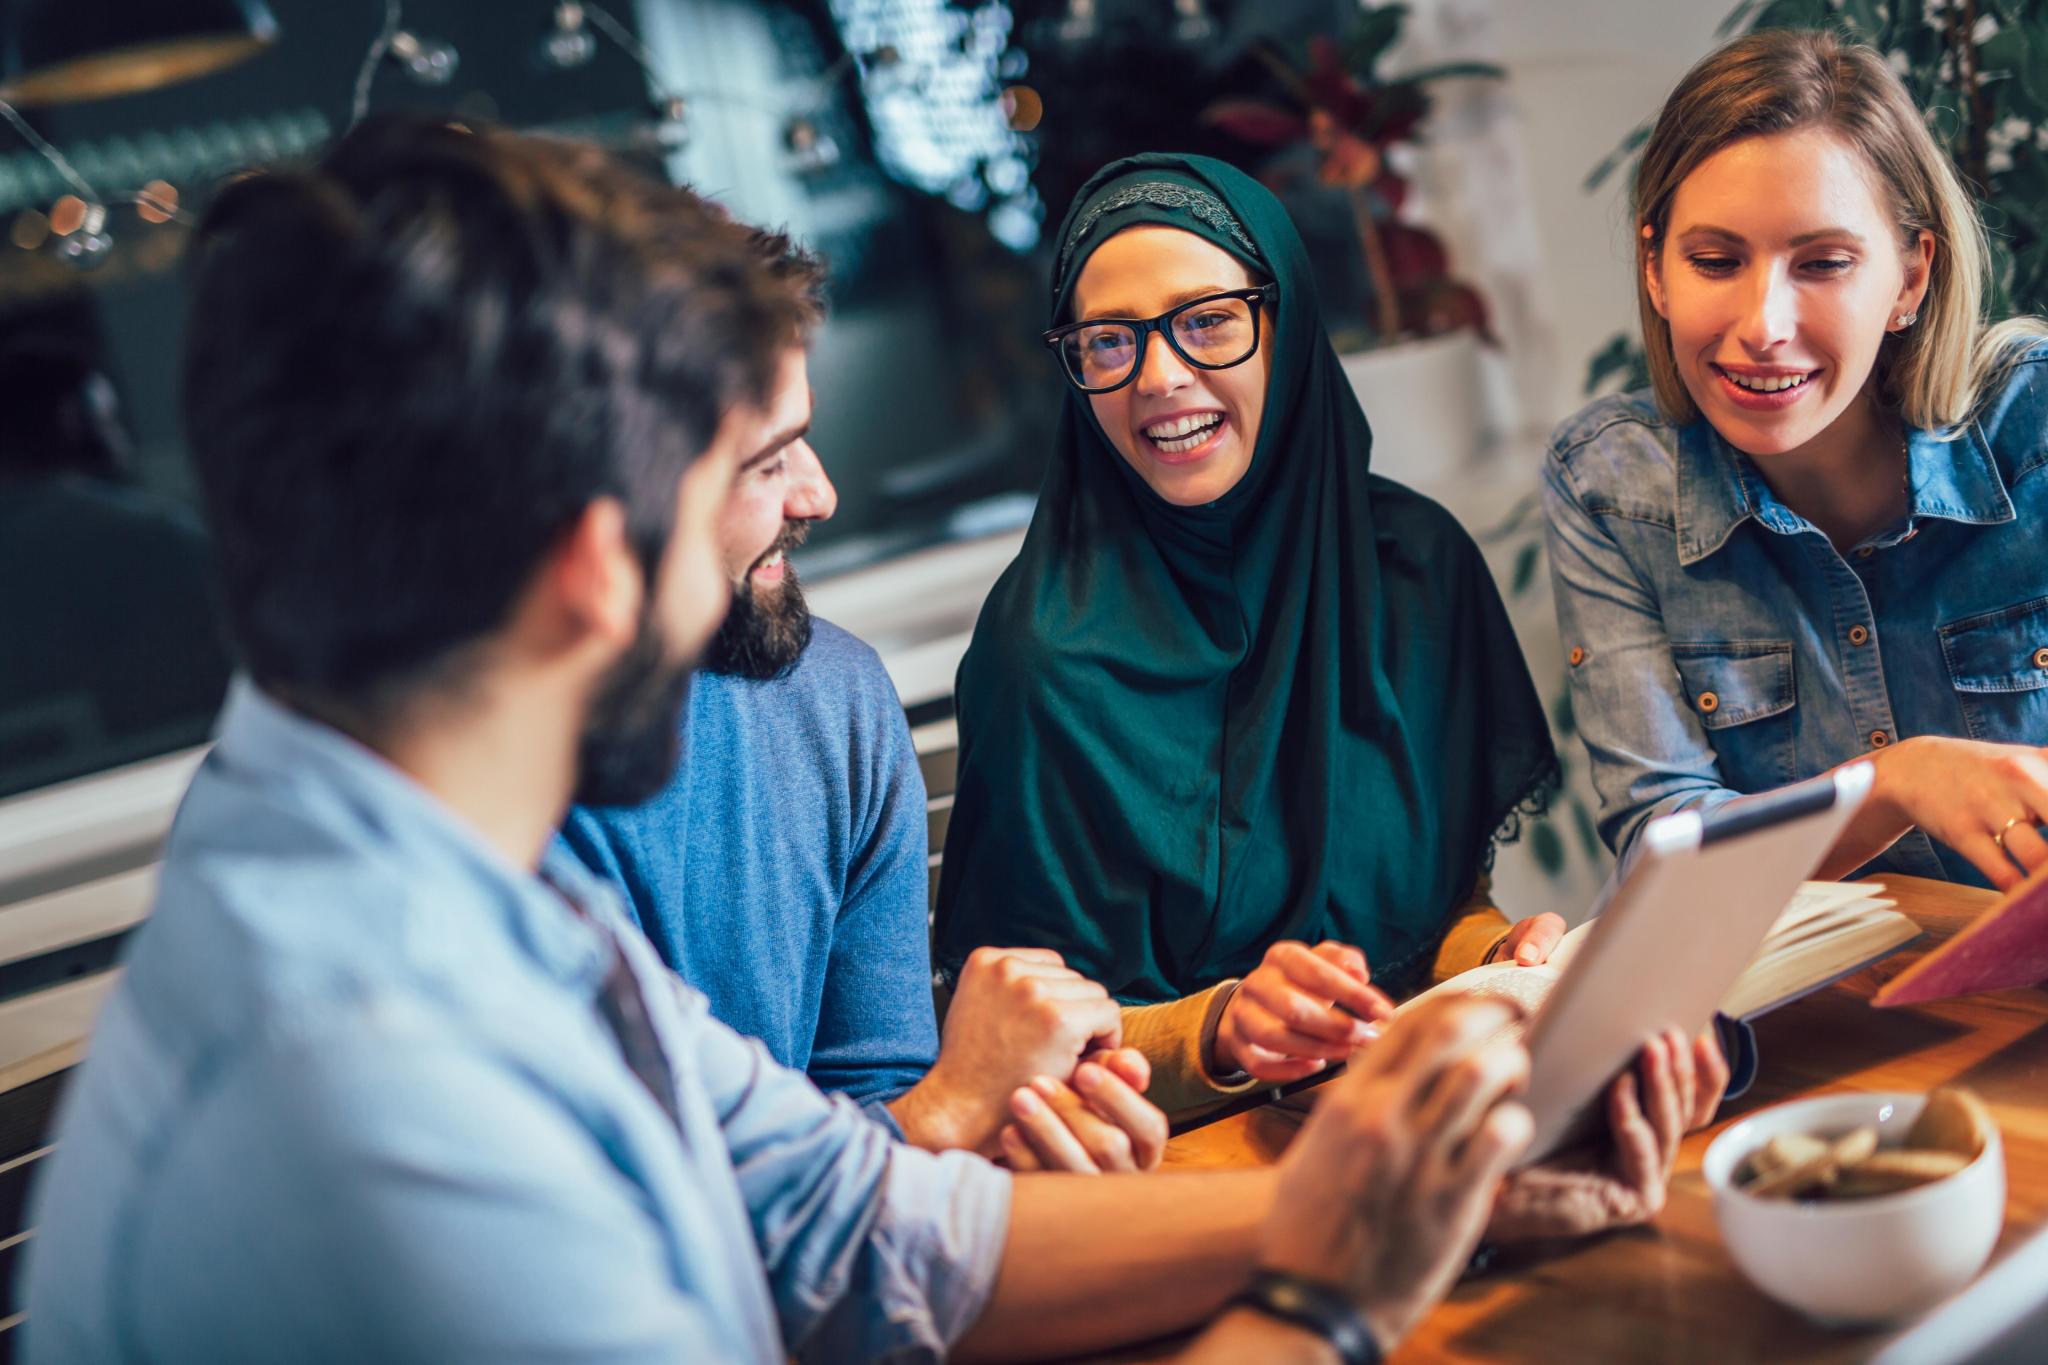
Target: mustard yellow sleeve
{"x":1476,"y":931}
{"x":1175,"y":1037}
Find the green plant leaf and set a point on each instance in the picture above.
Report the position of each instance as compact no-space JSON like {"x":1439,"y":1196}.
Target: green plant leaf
{"x":1548,"y":848}
{"x":1862,"y":18}
{"x":1379,"y":28}
{"x":1617,"y":158}
{"x":1525,"y":569}
{"x":1589,"y":835}
{"x":1620,"y":357}
{"x":1561,"y":718}
{"x":1447,"y":70}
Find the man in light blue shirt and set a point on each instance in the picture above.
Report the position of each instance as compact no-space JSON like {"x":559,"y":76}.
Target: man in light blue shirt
{"x":384,"y":1083}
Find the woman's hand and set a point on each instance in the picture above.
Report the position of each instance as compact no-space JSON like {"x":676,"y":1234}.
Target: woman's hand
{"x":1101,"y":1121}
{"x":1675,"y":1087}
{"x":1300,"y":1009}
{"x":1983,"y":800}
{"x":1531,"y":942}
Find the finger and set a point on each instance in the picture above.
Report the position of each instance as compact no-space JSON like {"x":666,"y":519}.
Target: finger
{"x":1435,"y":1032}
{"x":1659,"y":1099}
{"x":1278,"y":1068}
{"x":1345,"y":958}
{"x":1713,"y":1073}
{"x":1280,"y":1004}
{"x":1684,"y":1075}
{"x":2024,"y":845}
{"x":1323,"y":983}
{"x":1987,"y":857}
{"x":1115,"y":1102}
{"x":1467,"y":1092}
{"x":1060,"y":984}
{"x":1055,"y":1146}
{"x":1258,"y":1027}
{"x":1503,"y":1135}
{"x":1017,"y":1153}
{"x":1351,"y":961}
{"x":1636,"y":1157}
{"x":1127,"y":1064}
{"x":1037,"y":955}
{"x":1093,"y":1019}
{"x":1109,"y":1146}
{"x":1538,"y":937}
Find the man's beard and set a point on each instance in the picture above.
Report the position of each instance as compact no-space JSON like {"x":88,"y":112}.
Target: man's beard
{"x":763,"y":640}
{"x":632,"y":739}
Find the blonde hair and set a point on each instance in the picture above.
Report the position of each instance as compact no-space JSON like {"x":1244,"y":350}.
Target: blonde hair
{"x":1933,"y":374}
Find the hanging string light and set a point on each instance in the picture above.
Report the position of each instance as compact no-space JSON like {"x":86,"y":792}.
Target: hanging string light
{"x":569,"y":43}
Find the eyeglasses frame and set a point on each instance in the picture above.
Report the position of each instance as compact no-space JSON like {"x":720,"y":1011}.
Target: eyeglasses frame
{"x":1264,"y":294}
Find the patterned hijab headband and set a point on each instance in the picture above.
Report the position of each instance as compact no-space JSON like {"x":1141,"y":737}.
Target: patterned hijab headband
{"x":1159,"y":194}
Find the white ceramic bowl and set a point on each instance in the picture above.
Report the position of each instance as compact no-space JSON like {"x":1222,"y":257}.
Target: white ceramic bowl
{"x":1860,"y":1260}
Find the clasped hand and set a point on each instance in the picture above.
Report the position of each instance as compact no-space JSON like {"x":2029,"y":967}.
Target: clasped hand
{"x":1031,"y":1072}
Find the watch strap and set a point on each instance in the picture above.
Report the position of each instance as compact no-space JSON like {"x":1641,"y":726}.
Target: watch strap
{"x":1315,"y":1307}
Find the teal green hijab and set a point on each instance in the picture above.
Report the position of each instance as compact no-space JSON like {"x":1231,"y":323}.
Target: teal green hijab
{"x":1296,"y":712}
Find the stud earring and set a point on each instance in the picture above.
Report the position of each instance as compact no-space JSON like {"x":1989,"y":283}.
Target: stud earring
{"x":1908,"y":319}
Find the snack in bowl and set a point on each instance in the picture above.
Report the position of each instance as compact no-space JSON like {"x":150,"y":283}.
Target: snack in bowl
{"x":1949,"y":1134}
{"x":1893,"y":1235}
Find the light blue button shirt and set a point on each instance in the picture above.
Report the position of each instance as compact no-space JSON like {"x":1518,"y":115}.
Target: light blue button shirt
{"x":353,"y":1100}
{"x":1723,"y":646}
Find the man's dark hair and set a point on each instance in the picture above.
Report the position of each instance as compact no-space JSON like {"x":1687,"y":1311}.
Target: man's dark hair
{"x":411,"y":366}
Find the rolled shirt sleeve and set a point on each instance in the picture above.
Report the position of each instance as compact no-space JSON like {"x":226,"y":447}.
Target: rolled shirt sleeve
{"x":1650,"y":756}
{"x":873,"y":1249}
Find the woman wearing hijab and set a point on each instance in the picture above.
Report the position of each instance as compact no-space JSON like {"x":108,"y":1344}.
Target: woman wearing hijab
{"x":1236,"y":695}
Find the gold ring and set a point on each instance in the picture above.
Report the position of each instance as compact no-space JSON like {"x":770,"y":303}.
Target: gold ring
{"x":2005,"y":829}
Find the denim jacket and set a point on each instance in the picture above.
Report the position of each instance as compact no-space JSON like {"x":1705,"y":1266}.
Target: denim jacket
{"x":1717,"y":644}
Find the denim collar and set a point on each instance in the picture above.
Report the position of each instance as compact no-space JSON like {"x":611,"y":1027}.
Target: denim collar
{"x":361,"y":798}
{"x":1719,"y":488}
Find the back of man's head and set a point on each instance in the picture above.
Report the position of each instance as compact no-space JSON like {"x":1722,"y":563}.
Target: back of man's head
{"x":413,"y":365}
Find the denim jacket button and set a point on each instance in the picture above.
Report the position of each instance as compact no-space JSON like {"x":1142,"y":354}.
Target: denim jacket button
{"x":1866,"y":552}
{"x":2041,"y":658}
{"x":1878,"y":739}
{"x":1578,"y":656}
{"x":1709,"y":703}
{"x":1859,"y":635}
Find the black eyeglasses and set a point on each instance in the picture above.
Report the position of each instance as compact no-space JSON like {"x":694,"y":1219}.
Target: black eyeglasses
{"x":1211,"y":333}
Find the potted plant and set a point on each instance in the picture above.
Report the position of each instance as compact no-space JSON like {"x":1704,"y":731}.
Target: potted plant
{"x":1412,"y":350}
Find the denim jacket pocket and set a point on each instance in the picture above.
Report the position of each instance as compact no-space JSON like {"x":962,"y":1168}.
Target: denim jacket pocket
{"x":1742,"y":692}
{"x":1998,"y":663}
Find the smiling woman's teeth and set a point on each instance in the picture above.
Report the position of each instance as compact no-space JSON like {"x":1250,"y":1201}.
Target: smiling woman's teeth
{"x":1771,"y":384}
{"x":1183,"y":434}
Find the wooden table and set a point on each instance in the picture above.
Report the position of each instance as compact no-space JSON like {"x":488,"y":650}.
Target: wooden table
{"x":1669,"y":1292}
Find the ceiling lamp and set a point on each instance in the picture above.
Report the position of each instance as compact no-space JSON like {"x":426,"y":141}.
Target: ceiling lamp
{"x":63,"y":52}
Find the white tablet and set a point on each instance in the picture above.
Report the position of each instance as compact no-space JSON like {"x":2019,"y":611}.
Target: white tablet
{"x":1672,"y":934}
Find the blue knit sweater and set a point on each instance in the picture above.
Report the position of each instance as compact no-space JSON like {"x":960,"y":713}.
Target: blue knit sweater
{"x":782,"y":871}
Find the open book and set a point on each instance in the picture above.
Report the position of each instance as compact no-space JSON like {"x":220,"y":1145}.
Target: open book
{"x":1829,"y":930}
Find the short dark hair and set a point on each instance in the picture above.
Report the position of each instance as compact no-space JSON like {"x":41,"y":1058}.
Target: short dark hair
{"x":412,"y":365}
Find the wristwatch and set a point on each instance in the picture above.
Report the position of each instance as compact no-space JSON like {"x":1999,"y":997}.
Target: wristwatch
{"x":1316,"y":1307}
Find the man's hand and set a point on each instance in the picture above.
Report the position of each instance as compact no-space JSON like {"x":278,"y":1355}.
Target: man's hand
{"x":1387,"y":1187}
{"x":1101,"y":1122}
{"x":1017,"y":1013}
{"x":1675,"y":1087}
{"x":1300,"y":1009}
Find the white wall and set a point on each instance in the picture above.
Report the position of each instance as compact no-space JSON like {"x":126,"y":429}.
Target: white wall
{"x":1581,"y":74}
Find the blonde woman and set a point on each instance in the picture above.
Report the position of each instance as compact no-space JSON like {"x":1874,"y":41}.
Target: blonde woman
{"x":1819,"y":537}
